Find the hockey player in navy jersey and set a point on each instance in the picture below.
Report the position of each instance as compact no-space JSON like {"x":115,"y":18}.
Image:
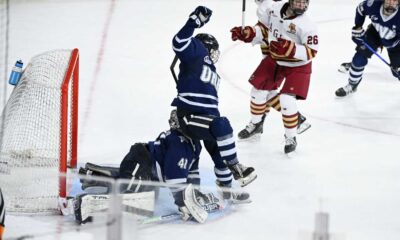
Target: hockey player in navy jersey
{"x":197,"y":99}
{"x":384,"y":31}
{"x":2,"y":214}
{"x":172,"y":158}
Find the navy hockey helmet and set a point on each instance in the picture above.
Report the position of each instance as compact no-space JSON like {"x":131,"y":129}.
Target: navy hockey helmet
{"x":211,"y":43}
{"x":390,"y":6}
{"x":298,"y":6}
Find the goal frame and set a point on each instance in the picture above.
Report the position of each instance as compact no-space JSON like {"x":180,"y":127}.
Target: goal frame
{"x":71,"y":77}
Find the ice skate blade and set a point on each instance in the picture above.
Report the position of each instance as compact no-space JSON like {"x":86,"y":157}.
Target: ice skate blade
{"x":237,"y":202}
{"x":291,"y":154}
{"x":344,"y":97}
{"x":343,"y":70}
{"x":303,"y":127}
{"x":255,"y":138}
{"x":247,"y":180}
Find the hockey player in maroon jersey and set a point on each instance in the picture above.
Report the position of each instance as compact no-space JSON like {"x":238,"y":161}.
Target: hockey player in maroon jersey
{"x":293,"y":43}
{"x":260,"y":105}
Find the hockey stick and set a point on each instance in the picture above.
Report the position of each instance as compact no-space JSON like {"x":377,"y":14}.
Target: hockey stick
{"x":210,"y":208}
{"x":380,"y":57}
{"x":243,"y":12}
{"x":172,"y":68}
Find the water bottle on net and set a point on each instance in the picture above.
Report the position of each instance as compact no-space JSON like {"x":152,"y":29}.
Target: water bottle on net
{"x":16,"y":73}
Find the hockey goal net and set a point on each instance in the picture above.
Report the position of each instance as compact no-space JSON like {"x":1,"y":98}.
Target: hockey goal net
{"x":38,"y":134}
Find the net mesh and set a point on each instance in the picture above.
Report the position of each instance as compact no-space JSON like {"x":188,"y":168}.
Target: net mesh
{"x":30,"y":149}
{"x":3,"y":50}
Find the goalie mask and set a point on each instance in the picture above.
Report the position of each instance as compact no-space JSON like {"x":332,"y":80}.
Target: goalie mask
{"x":211,"y":43}
{"x":173,"y":120}
{"x":298,"y":6}
{"x":390,"y":6}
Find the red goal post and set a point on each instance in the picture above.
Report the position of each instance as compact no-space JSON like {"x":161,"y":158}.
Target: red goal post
{"x":71,"y":77}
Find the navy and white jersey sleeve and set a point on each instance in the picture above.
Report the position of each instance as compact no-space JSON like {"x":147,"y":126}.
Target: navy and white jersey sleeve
{"x":183,"y":45}
{"x":198,"y":81}
{"x":361,"y":13}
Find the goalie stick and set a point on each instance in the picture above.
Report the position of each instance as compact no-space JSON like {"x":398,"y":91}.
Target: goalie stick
{"x":345,"y":67}
{"x":210,"y":208}
{"x":217,"y":204}
{"x":172,"y":68}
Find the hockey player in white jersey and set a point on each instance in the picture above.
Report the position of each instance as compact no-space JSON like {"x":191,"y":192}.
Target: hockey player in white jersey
{"x":260,"y":106}
{"x":293,"y":42}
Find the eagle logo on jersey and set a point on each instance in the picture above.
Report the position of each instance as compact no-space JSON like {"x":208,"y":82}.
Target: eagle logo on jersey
{"x":292,"y":28}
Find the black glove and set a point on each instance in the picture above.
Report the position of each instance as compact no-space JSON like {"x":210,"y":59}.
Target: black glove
{"x":200,"y":16}
{"x":357,"y":35}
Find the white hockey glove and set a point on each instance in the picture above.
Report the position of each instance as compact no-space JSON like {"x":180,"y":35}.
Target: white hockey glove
{"x":200,"y":16}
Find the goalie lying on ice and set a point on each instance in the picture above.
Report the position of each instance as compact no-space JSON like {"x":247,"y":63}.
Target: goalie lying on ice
{"x":172,"y":158}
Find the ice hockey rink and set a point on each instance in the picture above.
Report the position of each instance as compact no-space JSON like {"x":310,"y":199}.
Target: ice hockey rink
{"x":346,"y":164}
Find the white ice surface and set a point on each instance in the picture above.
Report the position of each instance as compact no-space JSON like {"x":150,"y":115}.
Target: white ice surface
{"x":348,"y":160}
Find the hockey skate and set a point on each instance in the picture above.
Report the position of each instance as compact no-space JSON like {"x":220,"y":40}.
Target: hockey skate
{"x":252,"y":130}
{"x":244,"y":175}
{"x":302,"y":126}
{"x":231,"y":196}
{"x":290,"y":144}
{"x":346,"y":90}
{"x":344,"y":67}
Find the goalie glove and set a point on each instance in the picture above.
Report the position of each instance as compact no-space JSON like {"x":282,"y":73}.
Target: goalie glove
{"x":196,"y":205}
{"x":200,"y":16}
{"x":246,"y":35}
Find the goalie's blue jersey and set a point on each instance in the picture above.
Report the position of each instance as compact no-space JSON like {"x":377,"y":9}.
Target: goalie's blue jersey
{"x":174,"y":156}
{"x":388,"y":27}
{"x":198,"y":81}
